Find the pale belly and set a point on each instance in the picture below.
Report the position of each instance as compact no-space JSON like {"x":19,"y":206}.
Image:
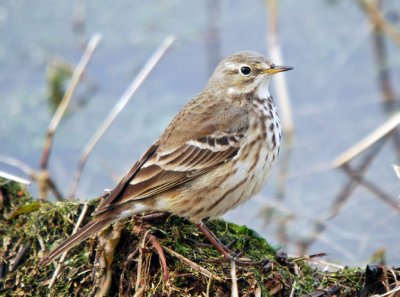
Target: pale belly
{"x":251,"y":176}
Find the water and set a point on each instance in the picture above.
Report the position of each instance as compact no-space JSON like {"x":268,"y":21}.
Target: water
{"x":334,"y":92}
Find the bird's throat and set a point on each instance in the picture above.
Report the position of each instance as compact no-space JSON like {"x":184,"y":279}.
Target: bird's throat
{"x":263,"y":89}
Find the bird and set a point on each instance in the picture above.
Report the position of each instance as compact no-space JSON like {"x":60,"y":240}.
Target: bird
{"x":214,"y":155}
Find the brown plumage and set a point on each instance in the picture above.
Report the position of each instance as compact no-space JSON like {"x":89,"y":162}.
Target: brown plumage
{"x":214,"y":155}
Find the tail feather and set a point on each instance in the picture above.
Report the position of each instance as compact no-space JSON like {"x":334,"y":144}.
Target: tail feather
{"x":90,"y":229}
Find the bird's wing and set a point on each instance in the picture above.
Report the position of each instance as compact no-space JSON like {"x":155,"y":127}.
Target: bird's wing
{"x":122,"y":185}
{"x":195,"y":142}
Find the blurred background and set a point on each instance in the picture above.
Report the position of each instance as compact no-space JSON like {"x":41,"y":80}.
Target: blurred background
{"x":345,"y":85}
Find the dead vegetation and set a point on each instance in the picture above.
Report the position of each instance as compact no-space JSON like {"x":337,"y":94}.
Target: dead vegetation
{"x":125,"y":260}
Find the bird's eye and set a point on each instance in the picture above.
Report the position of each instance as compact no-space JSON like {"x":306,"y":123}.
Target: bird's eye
{"x":245,"y":70}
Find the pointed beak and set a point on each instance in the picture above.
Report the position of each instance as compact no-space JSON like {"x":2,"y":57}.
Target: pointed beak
{"x":276,"y":69}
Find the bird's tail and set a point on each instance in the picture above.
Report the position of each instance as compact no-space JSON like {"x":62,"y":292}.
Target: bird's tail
{"x":90,"y":229}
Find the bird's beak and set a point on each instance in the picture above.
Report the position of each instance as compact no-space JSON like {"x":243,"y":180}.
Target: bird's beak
{"x":277,"y":69}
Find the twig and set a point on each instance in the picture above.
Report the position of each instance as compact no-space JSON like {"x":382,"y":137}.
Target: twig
{"x":384,"y":75}
{"x":208,"y":286}
{"x":257,"y":292}
{"x":139,"y":279}
{"x":15,"y":178}
{"x":396,"y":170}
{"x":364,"y":144}
{"x":138,"y":230}
{"x":379,"y":21}
{"x":62,"y":107}
{"x":382,"y":63}
{"x":352,"y":184}
{"x":234,"y":290}
{"x":29,"y":171}
{"x":53,"y":187}
{"x":191,"y":264}
{"x":41,"y":242}
{"x":134,"y":86}
{"x":274,"y":49}
{"x":328,"y":265}
{"x":126,"y":263}
{"x":140,"y":292}
{"x":293,"y":291}
{"x":17,"y":259}
{"x":213,"y":35}
{"x":374,"y":189}
{"x":283,"y":174}
{"x":309,"y":257}
{"x":79,"y":20}
{"x":41,"y":177}
{"x":160,"y":252}
{"x":62,"y":258}
{"x":281,"y":185}
{"x":275,"y":53}
{"x":356,"y":178}
{"x":107,"y":242}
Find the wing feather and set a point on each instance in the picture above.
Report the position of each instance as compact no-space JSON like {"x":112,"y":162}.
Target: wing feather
{"x":181,"y":154}
{"x":174,"y":169}
{"x":115,"y":193}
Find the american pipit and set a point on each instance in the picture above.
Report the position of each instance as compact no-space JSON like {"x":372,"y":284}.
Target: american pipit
{"x":214,"y":155}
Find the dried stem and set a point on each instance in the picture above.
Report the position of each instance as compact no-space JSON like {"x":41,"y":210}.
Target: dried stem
{"x":122,"y":102}
{"x":234,"y":289}
{"x":107,"y":243}
{"x":368,"y":141}
{"x":62,"y":258}
{"x":153,"y":240}
{"x":374,"y":189}
{"x":79,"y":20}
{"x":384,"y":75}
{"x":19,"y":256}
{"x":139,"y":278}
{"x":349,"y":188}
{"x":379,"y":20}
{"x":327,"y":266}
{"x":161,"y":255}
{"x":341,"y":199}
{"x":213,"y":37}
{"x":382,"y":63}
{"x":15,"y":178}
{"x":125,"y":268}
{"x":62,"y":107}
{"x":53,"y":187}
{"x":296,"y":271}
{"x":275,"y":53}
{"x":282,"y":95}
{"x":191,"y":264}
{"x":29,"y":171}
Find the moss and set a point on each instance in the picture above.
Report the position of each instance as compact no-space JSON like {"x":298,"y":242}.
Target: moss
{"x":33,"y":225}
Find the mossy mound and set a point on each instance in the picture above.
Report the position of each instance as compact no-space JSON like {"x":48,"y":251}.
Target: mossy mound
{"x":28,"y":227}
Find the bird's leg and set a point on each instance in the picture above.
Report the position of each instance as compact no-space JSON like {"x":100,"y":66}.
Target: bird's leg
{"x":224,"y":251}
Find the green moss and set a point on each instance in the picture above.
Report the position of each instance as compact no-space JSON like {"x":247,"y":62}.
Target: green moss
{"x":26,"y":223}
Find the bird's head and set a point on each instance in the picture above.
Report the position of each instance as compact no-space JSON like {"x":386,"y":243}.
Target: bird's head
{"x":245,"y":72}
